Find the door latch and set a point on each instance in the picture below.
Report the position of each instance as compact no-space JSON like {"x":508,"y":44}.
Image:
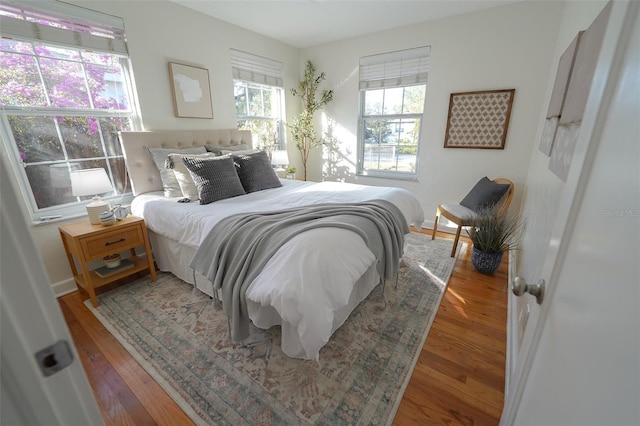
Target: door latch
{"x":54,"y":358}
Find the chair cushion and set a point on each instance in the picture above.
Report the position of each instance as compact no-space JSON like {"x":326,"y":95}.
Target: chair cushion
{"x":451,"y":211}
{"x":484,"y":194}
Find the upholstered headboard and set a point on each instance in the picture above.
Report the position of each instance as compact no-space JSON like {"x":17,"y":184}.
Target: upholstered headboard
{"x":143,"y":173}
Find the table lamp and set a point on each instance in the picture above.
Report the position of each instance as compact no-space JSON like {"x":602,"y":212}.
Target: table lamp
{"x":92,"y":182}
{"x":279,"y":158}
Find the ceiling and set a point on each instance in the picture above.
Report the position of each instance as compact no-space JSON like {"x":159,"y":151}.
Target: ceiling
{"x":306,"y":23}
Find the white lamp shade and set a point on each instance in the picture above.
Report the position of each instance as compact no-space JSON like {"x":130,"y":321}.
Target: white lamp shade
{"x":92,"y":182}
{"x":279,"y":158}
{"x":89,"y":182}
{"x":59,"y":174}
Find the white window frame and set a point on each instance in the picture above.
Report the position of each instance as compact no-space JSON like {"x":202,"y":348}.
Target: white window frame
{"x":396,"y":69}
{"x":253,"y":71}
{"x":96,"y":32}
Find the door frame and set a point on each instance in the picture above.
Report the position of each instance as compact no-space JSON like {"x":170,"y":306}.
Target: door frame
{"x":605,"y":80}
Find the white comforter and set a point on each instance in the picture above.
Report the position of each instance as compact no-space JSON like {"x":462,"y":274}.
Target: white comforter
{"x":316,"y":266}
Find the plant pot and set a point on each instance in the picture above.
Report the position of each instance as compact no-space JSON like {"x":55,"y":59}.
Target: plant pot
{"x":486,"y":263}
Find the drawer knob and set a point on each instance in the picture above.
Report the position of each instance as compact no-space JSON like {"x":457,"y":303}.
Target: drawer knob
{"x":115,"y":242}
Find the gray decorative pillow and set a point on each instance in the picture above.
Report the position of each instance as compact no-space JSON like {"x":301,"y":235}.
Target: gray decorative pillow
{"x":169,"y":181}
{"x":215,"y":178}
{"x":255,"y":171}
{"x":218,"y":149}
{"x":484,"y":194}
{"x":183,"y":176}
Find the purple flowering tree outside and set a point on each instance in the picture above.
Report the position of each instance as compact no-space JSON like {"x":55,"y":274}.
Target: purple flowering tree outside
{"x":78,"y":82}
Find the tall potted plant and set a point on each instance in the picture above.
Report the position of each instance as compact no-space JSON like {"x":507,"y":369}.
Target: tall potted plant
{"x":302,"y":129}
{"x":492,"y":234}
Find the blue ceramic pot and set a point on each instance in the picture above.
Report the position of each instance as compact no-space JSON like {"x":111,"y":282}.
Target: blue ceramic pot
{"x":107,"y":218}
{"x":486,"y":263}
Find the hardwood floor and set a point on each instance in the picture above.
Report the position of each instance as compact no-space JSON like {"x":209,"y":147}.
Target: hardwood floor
{"x":458,"y":380}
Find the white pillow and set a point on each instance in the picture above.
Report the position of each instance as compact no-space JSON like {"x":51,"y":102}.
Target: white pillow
{"x":169,"y":182}
{"x":217,"y":149}
{"x":185,"y":181}
{"x":239,"y":152}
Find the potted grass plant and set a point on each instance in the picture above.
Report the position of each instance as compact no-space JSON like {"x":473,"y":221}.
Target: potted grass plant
{"x":492,"y":234}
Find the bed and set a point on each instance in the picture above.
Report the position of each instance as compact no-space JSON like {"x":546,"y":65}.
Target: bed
{"x":331,"y":265}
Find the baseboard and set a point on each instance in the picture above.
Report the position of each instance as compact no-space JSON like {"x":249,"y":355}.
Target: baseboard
{"x":64,"y":287}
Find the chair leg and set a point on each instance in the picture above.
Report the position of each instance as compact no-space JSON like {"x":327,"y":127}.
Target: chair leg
{"x":455,"y":242}
{"x":435,"y":226}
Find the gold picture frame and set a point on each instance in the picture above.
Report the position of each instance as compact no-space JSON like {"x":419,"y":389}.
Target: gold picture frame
{"x":479,"y":119}
{"x":191,"y":91}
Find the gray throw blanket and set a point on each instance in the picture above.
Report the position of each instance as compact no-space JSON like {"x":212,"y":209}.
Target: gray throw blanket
{"x":234,"y":252}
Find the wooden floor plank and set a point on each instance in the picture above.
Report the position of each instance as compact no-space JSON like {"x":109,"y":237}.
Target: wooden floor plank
{"x":458,"y":379}
{"x":111,"y":392}
{"x":135,"y":381}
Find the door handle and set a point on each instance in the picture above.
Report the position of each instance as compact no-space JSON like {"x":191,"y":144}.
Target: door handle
{"x":520,"y":287}
{"x":54,"y":358}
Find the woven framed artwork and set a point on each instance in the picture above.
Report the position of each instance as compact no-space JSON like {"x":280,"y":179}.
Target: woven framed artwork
{"x":479,"y":119}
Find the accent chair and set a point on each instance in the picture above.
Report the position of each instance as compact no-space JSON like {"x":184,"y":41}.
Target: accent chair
{"x":485,"y":193}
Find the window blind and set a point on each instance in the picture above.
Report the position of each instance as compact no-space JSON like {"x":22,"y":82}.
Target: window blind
{"x":248,"y":67}
{"x":63,"y":24}
{"x":395,"y":69}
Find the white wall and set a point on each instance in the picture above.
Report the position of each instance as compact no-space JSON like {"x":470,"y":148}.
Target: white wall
{"x":510,"y":46}
{"x":159,"y":32}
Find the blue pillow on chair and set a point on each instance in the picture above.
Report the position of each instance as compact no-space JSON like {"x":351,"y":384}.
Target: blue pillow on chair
{"x":484,"y":194}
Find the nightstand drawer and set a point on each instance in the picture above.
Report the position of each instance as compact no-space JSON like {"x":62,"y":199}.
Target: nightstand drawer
{"x":101,"y":245}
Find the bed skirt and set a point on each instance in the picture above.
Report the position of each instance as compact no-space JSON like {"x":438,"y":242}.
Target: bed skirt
{"x":170,"y":256}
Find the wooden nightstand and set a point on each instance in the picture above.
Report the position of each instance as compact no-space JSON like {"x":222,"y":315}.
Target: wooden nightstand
{"x":86,"y":242}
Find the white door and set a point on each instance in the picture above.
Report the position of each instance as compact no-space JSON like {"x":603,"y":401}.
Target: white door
{"x":579,"y":361}
{"x":36,"y":390}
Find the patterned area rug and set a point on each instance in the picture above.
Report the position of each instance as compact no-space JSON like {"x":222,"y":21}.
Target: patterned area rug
{"x":180,"y":338}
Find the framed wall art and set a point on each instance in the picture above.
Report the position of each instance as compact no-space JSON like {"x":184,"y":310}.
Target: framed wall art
{"x":191,"y":91}
{"x":565,"y":67}
{"x":479,"y":119}
{"x":577,"y":94}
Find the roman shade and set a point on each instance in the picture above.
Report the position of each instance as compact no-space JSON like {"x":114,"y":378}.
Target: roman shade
{"x":395,"y":69}
{"x":63,"y":24}
{"x":256,"y":69}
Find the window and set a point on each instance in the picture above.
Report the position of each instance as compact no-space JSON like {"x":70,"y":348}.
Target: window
{"x":65,"y":92}
{"x":259,"y":96}
{"x":392,"y":96}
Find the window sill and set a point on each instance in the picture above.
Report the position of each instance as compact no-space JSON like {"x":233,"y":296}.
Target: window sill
{"x":46,"y":220}
{"x":388,"y":176}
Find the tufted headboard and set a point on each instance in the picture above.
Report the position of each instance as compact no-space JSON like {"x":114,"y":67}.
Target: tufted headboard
{"x":143,"y":172}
